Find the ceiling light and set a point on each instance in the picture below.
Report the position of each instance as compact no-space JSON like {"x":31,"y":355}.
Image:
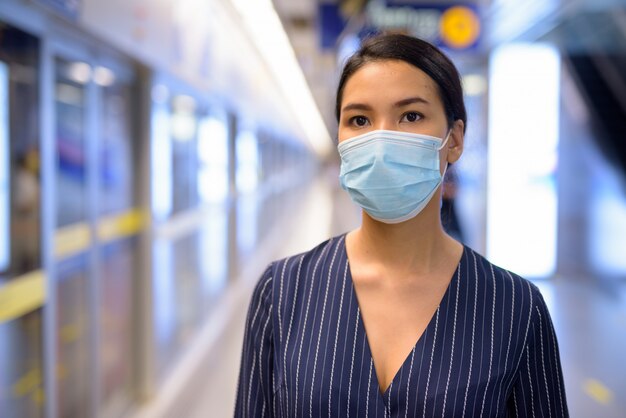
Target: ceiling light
{"x":103,"y":77}
{"x":266,"y":31}
{"x":79,"y":72}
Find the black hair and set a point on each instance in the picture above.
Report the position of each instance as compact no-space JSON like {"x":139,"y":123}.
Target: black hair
{"x":418,"y":53}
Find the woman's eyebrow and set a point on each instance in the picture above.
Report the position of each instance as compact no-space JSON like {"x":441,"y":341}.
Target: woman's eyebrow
{"x":411,"y":100}
{"x":356,"y":106}
{"x":401,"y":103}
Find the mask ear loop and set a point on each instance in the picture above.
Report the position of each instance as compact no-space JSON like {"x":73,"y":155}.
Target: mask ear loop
{"x":439,"y":149}
{"x":445,"y":141}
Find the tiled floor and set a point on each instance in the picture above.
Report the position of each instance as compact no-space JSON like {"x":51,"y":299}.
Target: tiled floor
{"x":589,"y":316}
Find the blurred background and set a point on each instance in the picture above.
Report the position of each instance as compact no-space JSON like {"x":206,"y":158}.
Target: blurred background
{"x":155,"y":155}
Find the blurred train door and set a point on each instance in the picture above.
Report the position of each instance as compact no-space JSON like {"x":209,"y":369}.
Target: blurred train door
{"x":189,"y":176}
{"x":96,"y":230}
{"x":21,"y":276}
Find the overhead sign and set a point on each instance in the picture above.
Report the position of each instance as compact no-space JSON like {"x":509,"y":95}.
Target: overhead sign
{"x":459,"y":27}
{"x":68,"y":8}
{"x":331,"y":24}
{"x":5,"y":162}
{"x":452,"y":26}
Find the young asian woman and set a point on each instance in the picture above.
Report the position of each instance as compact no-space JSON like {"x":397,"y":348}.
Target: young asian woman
{"x":396,"y":318}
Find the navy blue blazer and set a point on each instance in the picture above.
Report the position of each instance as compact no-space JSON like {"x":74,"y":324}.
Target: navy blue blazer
{"x":489,"y":350}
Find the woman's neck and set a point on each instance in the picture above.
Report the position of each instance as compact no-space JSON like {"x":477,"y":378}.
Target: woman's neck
{"x":418,"y":245}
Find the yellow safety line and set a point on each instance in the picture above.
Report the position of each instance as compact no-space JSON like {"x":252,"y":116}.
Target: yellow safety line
{"x":598,"y":391}
{"x":121,"y":226}
{"x":26,"y":293}
{"x":71,"y":240}
{"x":22,"y":295}
{"x":77,"y":238}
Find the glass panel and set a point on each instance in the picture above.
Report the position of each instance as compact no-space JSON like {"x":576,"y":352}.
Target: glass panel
{"x":247,"y":161}
{"x":183,"y":130}
{"x":213,"y":160}
{"x":522,"y":199}
{"x":5,"y":191}
{"x":162,"y":174}
{"x":21,"y":382}
{"x":248,"y":224}
{"x":214,"y":252}
{"x":116,"y":157}
{"x":178,"y":298}
{"x":117,"y":259}
{"x":164,"y":304}
{"x":19,"y":152}
{"x":116,"y":272}
{"x":74,"y":344}
{"x":71,"y":78}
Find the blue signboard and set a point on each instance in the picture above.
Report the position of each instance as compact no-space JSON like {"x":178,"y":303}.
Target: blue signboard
{"x":332,"y":23}
{"x":454,"y":26}
{"x":5,"y":190}
{"x":68,"y":8}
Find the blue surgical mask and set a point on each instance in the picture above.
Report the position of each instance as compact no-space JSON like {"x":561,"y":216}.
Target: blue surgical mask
{"x":392,"y":175}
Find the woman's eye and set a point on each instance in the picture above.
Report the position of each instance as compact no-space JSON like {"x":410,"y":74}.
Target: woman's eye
{"x":411,"y":117}
{"x":359,"y":121}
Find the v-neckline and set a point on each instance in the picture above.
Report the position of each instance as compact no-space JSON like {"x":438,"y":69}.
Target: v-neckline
{"x":431,"y":323}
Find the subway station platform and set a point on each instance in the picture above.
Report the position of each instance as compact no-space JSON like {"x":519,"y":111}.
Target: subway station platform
{"x":156,"y":156}
{"x":589,"y":317}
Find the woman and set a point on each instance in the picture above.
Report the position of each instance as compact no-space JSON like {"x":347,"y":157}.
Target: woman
{"x":397,"y":318}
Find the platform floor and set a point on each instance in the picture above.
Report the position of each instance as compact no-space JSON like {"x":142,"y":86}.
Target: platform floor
{"x":589,"y":317}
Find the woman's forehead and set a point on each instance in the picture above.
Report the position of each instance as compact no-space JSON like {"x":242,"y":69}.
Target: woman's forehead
{"x":390,"y":78}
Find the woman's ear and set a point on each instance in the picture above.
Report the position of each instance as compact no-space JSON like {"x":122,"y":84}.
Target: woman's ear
{"x":455,"y":143}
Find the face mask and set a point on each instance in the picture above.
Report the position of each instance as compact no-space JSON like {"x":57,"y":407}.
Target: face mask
{"x":392,"y":175}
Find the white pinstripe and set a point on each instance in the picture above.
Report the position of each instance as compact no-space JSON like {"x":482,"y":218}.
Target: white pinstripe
{"x":530,"y":383}
{"x":319,"y":335}
{"x":456,"y":305}
{"x":258,"y":308}
{"x":469,"y":378}
{"x":250,"y":381}
{"x":530,"y":309}
{"x":388,"y":406}
{"x":253,"y":320}
{"x":269,"y":316}
{"x":306,"y":315}
{"x":332,"y":369}
{"x":508,"y":348}
{"x":408,"y":384}
{"x":356,"y":323}
{"x":280,"y":302}
{"x":293,"y":310}
{"x":493,"y":315}
{"x":274,"y":389}
{"x":367,"y":398}
{"x":543,"y":364}
{"x":432,"y":354}
{"x":556,"y":361}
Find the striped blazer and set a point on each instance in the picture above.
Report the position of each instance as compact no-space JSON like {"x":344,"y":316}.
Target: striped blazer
{"x":489,"y":350}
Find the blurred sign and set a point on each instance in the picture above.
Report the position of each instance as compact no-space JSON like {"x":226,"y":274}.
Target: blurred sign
{"x":69,"y":8}
{"x":5,"y":190}
{"x":522,"y":198}
{"x":452,"y":26}
{"x":332,"y":23}
{"x":459,"y":27}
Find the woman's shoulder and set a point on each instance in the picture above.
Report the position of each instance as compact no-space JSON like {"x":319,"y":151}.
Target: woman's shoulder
{"x":290,"y":276}
{"x":306,"y":261}
{"x":504,"y":284}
